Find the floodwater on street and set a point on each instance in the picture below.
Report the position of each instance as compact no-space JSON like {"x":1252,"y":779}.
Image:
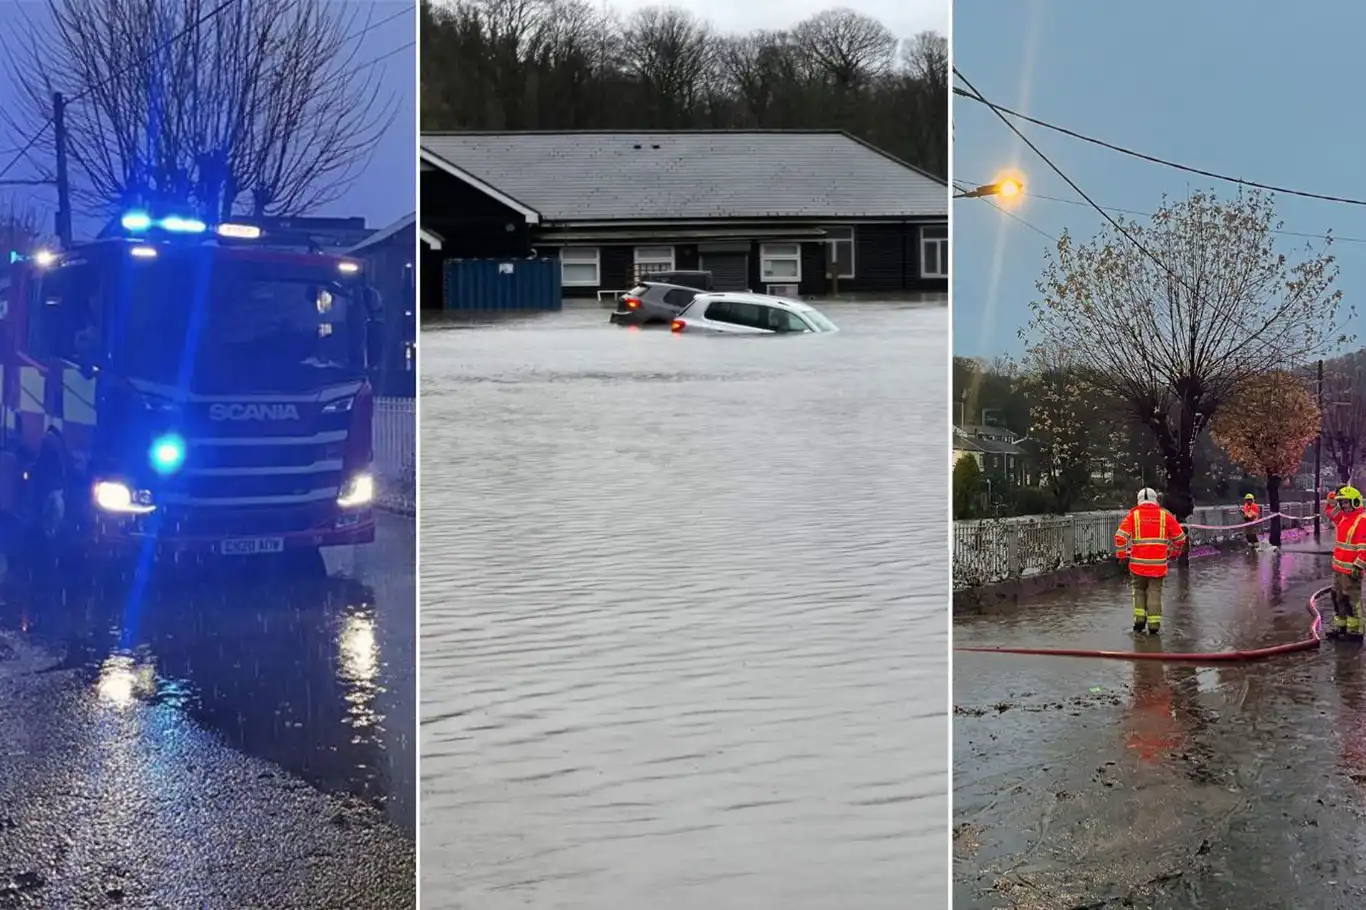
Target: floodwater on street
{"x":1103,"y":783}
{"x":240,"y":736}
{"x":684,"y":614}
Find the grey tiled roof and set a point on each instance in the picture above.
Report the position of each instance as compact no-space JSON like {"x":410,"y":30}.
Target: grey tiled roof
{"x":588,"y":175}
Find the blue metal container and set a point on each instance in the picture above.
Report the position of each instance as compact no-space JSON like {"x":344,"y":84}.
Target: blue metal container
{"x":502,"y":285}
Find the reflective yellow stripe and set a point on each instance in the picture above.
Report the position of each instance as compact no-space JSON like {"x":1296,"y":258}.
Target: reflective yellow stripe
{"x":1141,"y":561}
{"x":1162,"y":525}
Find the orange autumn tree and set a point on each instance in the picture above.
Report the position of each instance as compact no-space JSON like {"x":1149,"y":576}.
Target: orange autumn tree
{"x":1270,"y":421}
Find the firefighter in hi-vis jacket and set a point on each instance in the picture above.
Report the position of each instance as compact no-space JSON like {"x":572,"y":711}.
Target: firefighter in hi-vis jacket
{"x":1147,"y":537}
{"x":1251,"y":512}
{"x":1349,"y":557}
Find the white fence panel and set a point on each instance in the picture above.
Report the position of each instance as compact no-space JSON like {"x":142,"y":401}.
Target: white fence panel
{"x":395,"y":442}
{"x":990,"y":550}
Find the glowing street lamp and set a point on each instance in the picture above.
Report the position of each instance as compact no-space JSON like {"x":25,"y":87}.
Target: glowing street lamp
{"x":1006,"y":187}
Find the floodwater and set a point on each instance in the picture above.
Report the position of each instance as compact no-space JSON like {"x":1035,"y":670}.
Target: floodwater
{"x":234,"y":737}
{"x":1094,"y":783}
{"x":684,"y":614}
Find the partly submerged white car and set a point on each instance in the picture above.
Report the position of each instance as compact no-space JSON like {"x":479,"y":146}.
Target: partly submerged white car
{"x":736,"y":313}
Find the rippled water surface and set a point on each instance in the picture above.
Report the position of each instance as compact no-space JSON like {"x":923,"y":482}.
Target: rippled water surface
{"x":684,"y":615}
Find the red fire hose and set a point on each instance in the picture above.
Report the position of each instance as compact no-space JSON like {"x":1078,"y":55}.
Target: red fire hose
{"x":1306,"y":644}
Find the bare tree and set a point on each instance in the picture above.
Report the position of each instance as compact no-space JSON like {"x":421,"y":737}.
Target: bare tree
{"x":1175,"y":338}
{"x":268,"y":107}
{"x":926,"y":57}
{"x":1344,"y":412}
{"x":851,"y":47}
{"x":21,"y":229}
{"x":671,"y":52}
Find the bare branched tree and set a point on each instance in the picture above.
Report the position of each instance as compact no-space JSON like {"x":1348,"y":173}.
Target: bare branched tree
{"x":671,"y":53}
{"x":1175,"y":338}
{"x":850,"y":47}
{"x":1344,"y":412}
{"x":21,"y":228}
{"x":926,"y":57}
{"x":268,"y":107}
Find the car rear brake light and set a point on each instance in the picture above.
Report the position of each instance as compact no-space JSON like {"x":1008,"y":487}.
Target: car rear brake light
{"x":632,"y":303}
{"x":677,"y":325}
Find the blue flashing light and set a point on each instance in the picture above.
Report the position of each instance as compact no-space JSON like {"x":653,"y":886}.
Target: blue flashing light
{"x":179,"y":225}
{"x":136,"y":221}
{"x":15,"y":257}
{"x":167,"y":454}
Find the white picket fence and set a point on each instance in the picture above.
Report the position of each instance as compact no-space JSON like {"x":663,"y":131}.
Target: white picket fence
{"x":395,"y":441}
{"x":991,"y":550}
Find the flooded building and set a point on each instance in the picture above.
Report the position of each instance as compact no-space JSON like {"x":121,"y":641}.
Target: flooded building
{"x":799,"y":213}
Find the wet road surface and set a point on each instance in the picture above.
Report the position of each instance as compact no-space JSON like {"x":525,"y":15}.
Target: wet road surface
{"x":1098,"y":784}
{"x":241,"y":738}
{"x":684,"y":615}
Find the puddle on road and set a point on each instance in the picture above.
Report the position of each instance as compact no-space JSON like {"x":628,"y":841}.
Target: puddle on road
{"x":1091,"y":783}
{"x":282,"y":666}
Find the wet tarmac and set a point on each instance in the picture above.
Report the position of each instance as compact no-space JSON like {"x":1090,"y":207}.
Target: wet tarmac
{"x":238,"y":737}
{"x":684,"y":615}
{"x":1084,"y":783}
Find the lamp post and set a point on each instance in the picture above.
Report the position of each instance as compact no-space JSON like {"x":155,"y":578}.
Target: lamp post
{"x":1006,"y":188}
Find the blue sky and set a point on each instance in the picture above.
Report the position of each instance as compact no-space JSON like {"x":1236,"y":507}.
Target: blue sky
{"x":384,"y":192}
{"x":1248,"y":89}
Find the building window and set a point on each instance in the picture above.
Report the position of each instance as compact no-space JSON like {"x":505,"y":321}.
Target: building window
{"x":934,"y":251}
{"x":651,"y":259}
{"x":839,"y":242}
{"x":780,"y":262}
{"x":580,"y":267}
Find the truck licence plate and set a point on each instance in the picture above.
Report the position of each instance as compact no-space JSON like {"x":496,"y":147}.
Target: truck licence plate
{"x":251,"y":546}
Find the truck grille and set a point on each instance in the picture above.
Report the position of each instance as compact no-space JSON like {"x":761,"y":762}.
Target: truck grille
{"x":257,"y":471}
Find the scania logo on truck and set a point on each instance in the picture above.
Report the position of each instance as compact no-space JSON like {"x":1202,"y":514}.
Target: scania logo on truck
{"x":253,"y":412}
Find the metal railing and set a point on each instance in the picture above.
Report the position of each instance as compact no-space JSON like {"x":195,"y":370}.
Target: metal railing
{"x":991,"y":550}
{"x":395,"y":442}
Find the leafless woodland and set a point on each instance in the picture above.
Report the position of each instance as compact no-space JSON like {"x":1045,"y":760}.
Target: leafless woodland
{"x":571,"y":64}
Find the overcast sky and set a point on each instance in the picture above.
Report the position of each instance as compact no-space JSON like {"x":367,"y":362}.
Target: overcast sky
{"x":904,"y":17}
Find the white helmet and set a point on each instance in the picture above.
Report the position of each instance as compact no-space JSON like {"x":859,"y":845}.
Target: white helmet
{"x":1147,"y":494}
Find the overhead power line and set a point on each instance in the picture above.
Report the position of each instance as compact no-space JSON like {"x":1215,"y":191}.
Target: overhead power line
{"x":962,"y":188}
{"x":1305,"y":235}
{"x":1118,"y":226}
{"x":1157,"y":260}
{"x":1153,"y":159}
{"x":33,"y":140}
{"x":23,"y":150}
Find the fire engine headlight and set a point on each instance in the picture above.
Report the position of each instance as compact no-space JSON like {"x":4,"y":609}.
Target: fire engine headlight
{"x":113,"y":496}
{"x":340,"y":406}
{"x":167,"y":454}
{"x":359,"y":490}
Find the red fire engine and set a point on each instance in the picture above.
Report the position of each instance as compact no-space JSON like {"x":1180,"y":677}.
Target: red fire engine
{"x":188,"y":386}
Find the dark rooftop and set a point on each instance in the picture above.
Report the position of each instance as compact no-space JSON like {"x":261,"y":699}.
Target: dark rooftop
{"x":584,"y":176}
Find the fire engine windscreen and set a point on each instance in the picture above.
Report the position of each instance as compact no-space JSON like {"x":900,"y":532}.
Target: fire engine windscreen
{"x":235,"y":326}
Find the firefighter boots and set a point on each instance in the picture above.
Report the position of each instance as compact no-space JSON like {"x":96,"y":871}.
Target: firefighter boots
{"x":1140,"y":619}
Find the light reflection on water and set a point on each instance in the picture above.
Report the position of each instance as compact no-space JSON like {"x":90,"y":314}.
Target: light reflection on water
{"x":358,"y":669}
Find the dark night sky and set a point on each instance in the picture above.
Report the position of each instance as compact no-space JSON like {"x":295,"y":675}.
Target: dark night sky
{"x":385,"y":189}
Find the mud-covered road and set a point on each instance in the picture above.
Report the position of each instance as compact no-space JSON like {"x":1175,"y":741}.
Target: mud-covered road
{"x":1082,"y":783}
{"x":227,"y":739}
